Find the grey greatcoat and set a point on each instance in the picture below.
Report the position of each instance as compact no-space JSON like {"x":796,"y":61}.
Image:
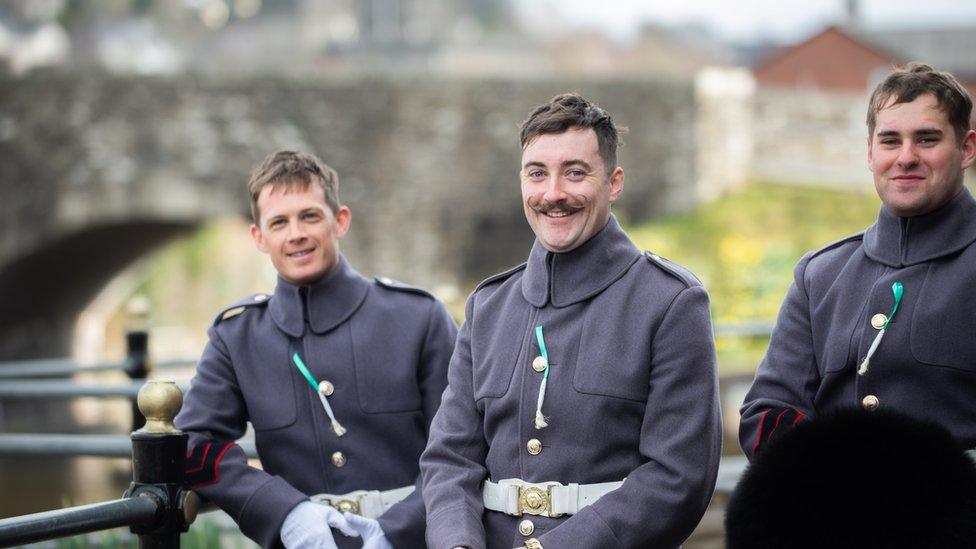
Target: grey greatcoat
{"x":632,"y":392}
{"x":925,"y":365}
{"x":385,"y":348}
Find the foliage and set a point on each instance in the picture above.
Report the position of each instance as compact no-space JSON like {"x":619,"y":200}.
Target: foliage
{"x":743,"y":247}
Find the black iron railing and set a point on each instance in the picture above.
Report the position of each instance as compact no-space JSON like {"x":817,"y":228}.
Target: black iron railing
{"x":156,"y":506}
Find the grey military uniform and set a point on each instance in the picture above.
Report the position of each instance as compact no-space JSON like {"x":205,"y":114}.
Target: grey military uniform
{"x":385,"y":349}
{"x":632,"y":392}
{"x":925,"y":364}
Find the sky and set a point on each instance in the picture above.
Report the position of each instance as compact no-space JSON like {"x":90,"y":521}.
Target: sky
{"x":746,"y":20}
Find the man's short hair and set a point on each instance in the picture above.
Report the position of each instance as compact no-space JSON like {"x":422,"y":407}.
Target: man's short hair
{"x":570,"y":110}
{"x":905,"y":84}
{"x":292,"y":169}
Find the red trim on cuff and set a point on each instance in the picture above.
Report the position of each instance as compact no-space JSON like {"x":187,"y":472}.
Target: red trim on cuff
{"x":762,"y":421}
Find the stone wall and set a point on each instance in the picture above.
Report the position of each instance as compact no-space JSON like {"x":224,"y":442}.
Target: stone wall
{"x":91,"y":164}
{"x":810,"y":138}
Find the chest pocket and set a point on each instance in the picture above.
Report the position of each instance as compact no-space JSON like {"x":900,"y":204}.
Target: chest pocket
{"x":268,"y":386}
{"x":387,"y":357}
{"x":496,"y":347}
{"x":943,"y":331}
{"x":614,"y":358}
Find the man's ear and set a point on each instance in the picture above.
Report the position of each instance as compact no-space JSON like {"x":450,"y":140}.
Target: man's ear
{"x":343,"y":218}
{"x":616,"y":183}
{"x":258,"y":238}
{"x":968,"y":149}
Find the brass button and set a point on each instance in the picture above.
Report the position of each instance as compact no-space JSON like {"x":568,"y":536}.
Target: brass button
{"x":526,"y":527}
{"x":532,"y":543}
{"x":870,"y":403}
{"x":326,"y":388}
{"x":338,"y":459}
{"x":878,"y":321}
{"x":534,"y":446}
{"x":539,"y":364}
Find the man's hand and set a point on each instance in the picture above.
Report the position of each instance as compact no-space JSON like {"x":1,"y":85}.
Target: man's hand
{"x":370,"y":530}
{"x":309,"y":525}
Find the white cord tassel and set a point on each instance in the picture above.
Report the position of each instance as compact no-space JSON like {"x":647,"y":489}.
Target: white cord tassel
{"x":540,"y":420}
{"x":336,"y":426}
{"x":863,"y":369}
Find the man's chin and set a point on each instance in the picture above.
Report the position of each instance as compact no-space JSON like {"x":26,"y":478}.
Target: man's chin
{"x":305,"y":277}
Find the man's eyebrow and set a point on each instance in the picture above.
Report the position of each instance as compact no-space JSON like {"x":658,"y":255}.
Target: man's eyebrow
{"x":928,"y":131}
{"x":888,"y":133}
{"x":576,"y":162}
{"x":565,"y":164}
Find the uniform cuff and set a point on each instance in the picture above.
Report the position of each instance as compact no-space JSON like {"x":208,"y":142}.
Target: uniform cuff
{"x":584,"y":529}
{"x":266,"y":509}
{"x":455,"y":527}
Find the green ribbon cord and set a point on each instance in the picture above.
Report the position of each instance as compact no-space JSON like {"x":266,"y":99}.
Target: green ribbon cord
{"x":897,"y":290}
{"x":308,"y":375}
{"x":542,"y":350}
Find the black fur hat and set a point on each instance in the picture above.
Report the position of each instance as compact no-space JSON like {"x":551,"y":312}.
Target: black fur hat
{"x":856,"y":479}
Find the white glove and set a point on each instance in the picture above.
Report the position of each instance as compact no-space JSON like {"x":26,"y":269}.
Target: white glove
{"x":971,"y":454}
{"x":308,"y":526}
{"x":370,"y":530}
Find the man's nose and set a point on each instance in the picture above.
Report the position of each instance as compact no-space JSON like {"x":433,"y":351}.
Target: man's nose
{"x":907,"y":156}
{"x":295,"y":231}
{"x":555,"y":189}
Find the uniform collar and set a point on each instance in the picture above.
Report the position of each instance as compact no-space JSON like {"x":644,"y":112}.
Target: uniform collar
{"x":331,"y":301}
{"x":903,"y":241}
{"x":566,"y":278}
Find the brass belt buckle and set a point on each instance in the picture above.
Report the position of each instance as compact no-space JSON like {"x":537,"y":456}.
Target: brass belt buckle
{"x":535,"y":501}
{"x":342,"y":504}
{"x":347,"y":505}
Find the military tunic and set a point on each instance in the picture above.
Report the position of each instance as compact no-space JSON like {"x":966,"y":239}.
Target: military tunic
{"x":632,"y":392}
{"x":385,"y":349}
{"x":925,"y":364}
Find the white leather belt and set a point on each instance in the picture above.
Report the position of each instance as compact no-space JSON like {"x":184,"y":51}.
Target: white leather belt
{"x":516,"y":497}
{"x":367,"y":503}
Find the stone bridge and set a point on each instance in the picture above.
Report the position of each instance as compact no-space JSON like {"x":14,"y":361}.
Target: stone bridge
{"x":96,"y":171}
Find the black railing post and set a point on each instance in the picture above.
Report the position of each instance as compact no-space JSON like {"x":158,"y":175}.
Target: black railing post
{"x":137,"y":367}
{"x":158,"y":459}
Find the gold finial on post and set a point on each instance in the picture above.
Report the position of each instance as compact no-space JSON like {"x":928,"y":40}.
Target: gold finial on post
{"x":159,"y":401}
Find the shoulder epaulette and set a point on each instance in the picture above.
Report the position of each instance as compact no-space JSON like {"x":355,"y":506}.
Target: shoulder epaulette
{"x":234,"y":309}
{"x":838,"y":243}
{"x":500,"y":276}
{"x":673,"y":269}
{"x":388,"y":282}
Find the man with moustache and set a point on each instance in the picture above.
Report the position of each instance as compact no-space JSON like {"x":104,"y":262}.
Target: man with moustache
{"x":884,"y":318}
{"x":582,"y":405}
{"x":339,"y":375}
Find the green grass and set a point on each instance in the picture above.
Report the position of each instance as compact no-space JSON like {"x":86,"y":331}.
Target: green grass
{"x":744,"y":245}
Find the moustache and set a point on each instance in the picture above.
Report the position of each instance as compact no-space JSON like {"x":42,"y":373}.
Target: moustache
{"x":545,"y":207}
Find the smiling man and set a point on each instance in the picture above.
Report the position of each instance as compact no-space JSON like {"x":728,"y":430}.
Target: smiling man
{"x":582,"y":405}
{"x":340,"y":377}
{"x":883,"y":318}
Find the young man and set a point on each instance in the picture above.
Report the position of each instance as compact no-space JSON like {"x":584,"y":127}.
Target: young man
{"x":340,"y":377}
{"x":883,"y":319}
{"x":582,"y":406}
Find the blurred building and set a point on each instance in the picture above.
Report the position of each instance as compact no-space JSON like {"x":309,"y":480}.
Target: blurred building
{"x":851,"y":59}
{"x":810,"y":103}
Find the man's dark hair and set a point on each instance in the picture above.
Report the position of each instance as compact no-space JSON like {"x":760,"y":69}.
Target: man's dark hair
{"x":571,"y":110}
{"x":905,"y":84}
{"x":290,"y":169}
{"x":854,"y":478}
